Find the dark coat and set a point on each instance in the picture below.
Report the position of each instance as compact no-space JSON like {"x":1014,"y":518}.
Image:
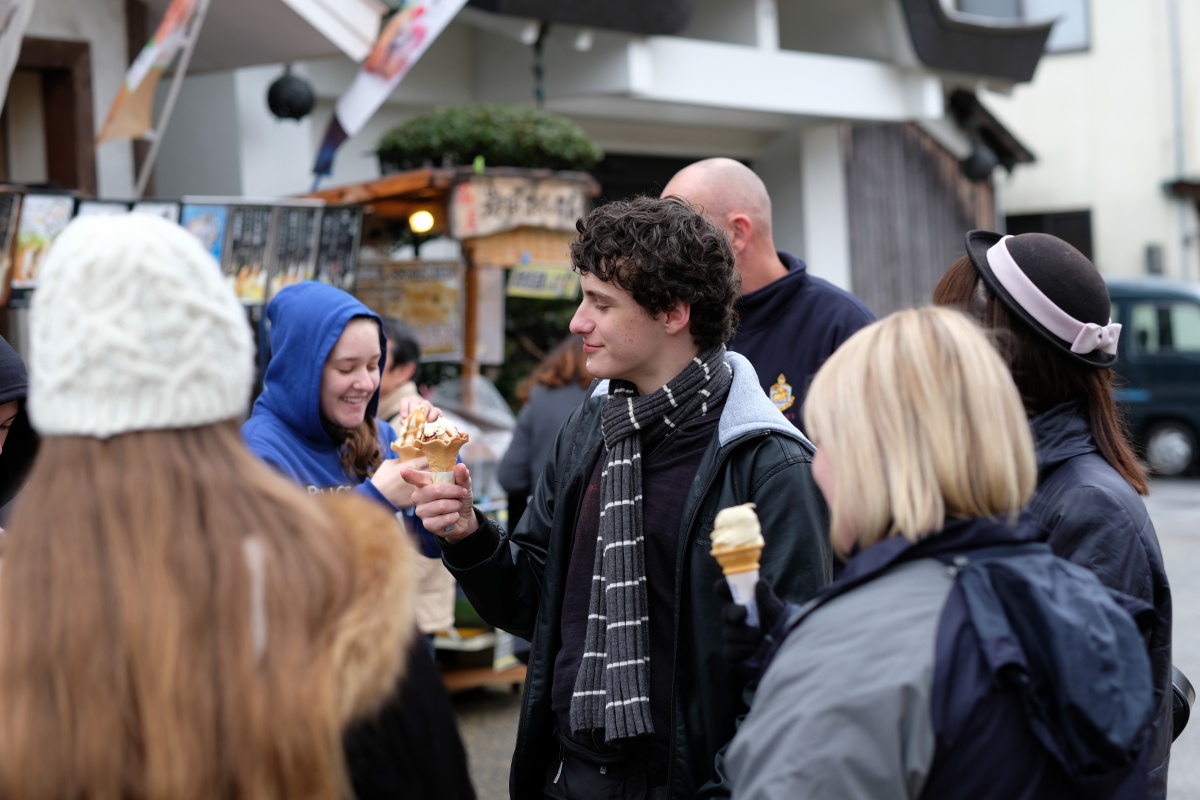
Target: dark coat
{"x":22,"y":443}
{"x":516,"y":581}
{"x":1097,"y":520}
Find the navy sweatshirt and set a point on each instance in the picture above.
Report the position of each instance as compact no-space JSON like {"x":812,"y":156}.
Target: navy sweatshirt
{"x":790,"y":326}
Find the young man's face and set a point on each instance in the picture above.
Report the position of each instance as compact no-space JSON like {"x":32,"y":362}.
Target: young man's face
{"x":620,"y":339}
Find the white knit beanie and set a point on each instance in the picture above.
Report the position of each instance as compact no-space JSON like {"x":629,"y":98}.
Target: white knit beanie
{"x":132,"y":327}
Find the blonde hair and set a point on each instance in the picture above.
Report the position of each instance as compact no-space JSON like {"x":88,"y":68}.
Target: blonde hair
{"x":921,"y":421}
{"x":130,"y":662}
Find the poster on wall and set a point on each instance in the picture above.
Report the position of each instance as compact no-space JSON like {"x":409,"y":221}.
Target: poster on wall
{"x":42,"y":219}
{"x":428,"y":295}
{"x":337,"y":251}
{"x":247,"y":262}
{"x":295,"y":246}
{"x":208,"y":223}
{"x":10,"y":210}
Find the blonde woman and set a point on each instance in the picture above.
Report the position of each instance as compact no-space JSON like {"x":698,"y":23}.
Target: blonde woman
{"x":909,"y":677}
{"x":176,"y":621}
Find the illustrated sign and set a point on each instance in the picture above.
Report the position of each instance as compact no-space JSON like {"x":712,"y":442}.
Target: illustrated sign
{"x":487,"y":204}
{"x":43,"y":217}
{"x":543,"y":281}
{"x":428,"y":295}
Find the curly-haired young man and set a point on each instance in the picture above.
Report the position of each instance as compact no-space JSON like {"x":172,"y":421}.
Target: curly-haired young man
{"x":608,"y":571}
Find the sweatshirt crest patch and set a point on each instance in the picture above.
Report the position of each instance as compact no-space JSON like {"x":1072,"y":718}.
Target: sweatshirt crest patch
{"x":781,"y":393}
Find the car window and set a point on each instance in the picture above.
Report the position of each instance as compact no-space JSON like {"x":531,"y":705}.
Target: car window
{"x":1165,"y":327}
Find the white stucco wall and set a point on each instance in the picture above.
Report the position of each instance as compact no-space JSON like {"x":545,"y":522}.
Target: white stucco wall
{"x":200,"y":151}
{"x":101,"y":23}
{"x":1101,"y":125}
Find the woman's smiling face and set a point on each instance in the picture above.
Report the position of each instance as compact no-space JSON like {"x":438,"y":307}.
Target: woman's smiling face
{"x":351,"y":374}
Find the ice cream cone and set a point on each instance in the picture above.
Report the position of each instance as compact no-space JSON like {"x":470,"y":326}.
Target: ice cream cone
{"x":442,"y":456}
{"x":734,"y":560}
{"x":440,"y":442}
{"x":406,"y":452}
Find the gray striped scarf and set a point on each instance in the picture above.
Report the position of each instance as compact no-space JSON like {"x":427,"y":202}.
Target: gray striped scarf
{"x":612,"y":689}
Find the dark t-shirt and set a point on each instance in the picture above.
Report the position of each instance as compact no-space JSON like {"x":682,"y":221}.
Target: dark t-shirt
{"x":667,"y":474}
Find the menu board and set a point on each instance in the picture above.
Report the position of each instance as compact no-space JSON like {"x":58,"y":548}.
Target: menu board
{"x":428,"y":295}
{"x":10,"y":209}
{"x":337,"y":251}
{"x":247,"y":261}
{"x":295,"y":246}
{"x":43,"y":218}
{"x":208,"y":223}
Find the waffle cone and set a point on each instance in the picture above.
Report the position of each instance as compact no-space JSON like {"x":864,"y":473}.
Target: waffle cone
{"x":407,"y":452}
{"x":442,"y":455}
{"x":738,"y":559}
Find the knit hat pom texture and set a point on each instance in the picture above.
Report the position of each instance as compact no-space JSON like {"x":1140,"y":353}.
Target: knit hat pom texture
{"x":132,"y":327}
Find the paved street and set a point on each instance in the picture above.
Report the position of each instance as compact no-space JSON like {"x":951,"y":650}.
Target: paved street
{"x":489,"y":716}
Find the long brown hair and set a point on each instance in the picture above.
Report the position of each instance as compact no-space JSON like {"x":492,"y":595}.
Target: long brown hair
{"x":133,"y":661}
{"x":562,"y":366}
{"x":360,"y":451}
{"x":1043,"y":376}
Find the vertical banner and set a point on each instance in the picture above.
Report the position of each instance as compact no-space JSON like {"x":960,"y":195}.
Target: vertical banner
{"x":405,"y":38}
{"x":132,"y":113}
{"x":14,"y":18}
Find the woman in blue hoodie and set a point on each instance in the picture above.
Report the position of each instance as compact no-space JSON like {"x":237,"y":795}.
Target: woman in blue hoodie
{"x":315,"y":422}
{"x":315,"y":419}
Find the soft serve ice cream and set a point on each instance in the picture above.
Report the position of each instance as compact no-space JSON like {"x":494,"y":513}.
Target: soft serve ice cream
{"x":737,"y":544}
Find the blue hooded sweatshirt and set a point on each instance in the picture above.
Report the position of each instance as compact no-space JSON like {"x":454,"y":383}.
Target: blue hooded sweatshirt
{"x":285,"y":427}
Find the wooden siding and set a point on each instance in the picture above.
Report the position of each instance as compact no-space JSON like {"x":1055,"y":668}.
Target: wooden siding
{"x":909,"y":207}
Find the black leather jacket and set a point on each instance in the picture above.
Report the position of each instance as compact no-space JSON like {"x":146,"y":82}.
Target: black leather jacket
{"x":1096,"y":519}
{"x":515,"y":581}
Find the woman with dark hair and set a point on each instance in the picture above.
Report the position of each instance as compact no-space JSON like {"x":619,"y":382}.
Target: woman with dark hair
{"x":1050,"y":314}
{"x":176,"y":620}
{"x":551,"y":392}
{"x":315,"y":422}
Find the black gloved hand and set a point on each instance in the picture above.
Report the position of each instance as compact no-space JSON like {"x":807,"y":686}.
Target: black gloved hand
{"x":743,"y":644}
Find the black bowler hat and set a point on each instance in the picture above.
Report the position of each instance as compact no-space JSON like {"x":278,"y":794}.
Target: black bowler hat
{"x":1053,"y":287}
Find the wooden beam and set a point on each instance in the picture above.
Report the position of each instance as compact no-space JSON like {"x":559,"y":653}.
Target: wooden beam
{"x":388,"y":187}
{"x":137,"y":33}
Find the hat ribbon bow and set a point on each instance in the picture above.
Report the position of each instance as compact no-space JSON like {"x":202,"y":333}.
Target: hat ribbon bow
{"x":1094,"y":337}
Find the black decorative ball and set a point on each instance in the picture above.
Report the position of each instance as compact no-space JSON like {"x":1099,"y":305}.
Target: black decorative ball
{"x":979,"y":164}
{"x":290,"y":97}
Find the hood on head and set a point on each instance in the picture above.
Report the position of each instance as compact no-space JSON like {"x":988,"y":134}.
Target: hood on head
{"x":306,"y":321}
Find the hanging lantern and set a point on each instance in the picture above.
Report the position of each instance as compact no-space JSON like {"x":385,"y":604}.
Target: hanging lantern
{"x":290,"y":96}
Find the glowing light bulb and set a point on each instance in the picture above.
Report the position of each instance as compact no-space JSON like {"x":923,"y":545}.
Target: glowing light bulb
{"x":420,"y":222}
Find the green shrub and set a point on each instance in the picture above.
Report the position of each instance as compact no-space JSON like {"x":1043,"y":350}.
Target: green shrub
{"x":506,"y":136}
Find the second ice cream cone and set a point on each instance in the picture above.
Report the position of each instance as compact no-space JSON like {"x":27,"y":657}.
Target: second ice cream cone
{"x":738,"y":559}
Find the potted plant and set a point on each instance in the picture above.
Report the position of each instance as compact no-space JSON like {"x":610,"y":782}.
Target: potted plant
{"x":507,"y":136}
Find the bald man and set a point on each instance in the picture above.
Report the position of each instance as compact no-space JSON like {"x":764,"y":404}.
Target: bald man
{"x":791,"y":321}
